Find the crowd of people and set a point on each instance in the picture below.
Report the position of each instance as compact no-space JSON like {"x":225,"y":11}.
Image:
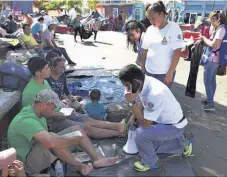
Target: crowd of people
{"x":158,"y":114}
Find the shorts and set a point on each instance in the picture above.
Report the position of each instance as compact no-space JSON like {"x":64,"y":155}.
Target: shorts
{"x":75,"y":119}
{"x":40,"y":158}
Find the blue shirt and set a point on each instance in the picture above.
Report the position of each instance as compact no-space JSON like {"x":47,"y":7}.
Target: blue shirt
{"x":36,"y":28}
{"x":96,"y":111}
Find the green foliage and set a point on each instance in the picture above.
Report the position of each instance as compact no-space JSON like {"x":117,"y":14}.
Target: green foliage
{"x":92,"y":4}
{"x":58,"y":4}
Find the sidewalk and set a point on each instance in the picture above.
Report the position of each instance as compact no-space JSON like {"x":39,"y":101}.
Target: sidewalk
{"x":209,"y":127}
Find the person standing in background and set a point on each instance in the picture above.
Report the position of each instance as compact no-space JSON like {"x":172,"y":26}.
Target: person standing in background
{"x":217,"y":19}
{"x":120,"y":21}
{"x":135,"y":35}
{"x":146,"y":22}
{"x":95,"y":28}
{"x":76,"y":25}
{"x":162,"y":44}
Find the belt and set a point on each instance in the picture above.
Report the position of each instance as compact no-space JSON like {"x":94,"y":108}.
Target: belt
{"x":154,"y":123}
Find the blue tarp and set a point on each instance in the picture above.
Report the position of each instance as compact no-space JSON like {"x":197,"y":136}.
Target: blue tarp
{"x":23,"y":6}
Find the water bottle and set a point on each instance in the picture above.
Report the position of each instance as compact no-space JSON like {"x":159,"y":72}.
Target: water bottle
{"x":59,"y":169}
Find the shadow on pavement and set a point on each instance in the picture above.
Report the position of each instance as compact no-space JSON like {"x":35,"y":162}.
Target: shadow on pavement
{"x":210,"y":130}
{"x":103,"y":43}
{"x":89,"y":43}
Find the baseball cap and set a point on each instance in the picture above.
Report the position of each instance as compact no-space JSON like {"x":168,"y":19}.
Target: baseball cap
{"x":49,"y":96}
{"x":51,"y":22}
{"x":7,"y":157}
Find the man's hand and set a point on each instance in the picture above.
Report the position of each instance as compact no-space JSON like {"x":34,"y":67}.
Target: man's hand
{"x":66,"y":101}
{"x":18,"y":168}
{"x":57,"y":115}
{"x":79,"y":98}
{"x":147,"y":123}
{"x":130,"y":97}
{"x":131,"y":121}
{"x":168,"y":78}
{"x":72,"y":98}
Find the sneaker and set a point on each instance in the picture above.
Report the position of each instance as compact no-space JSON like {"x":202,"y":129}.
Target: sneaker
{"x":140,"y":166}
{"x":204,"y":102}
{"x":188,"y":144}
{"x":208,"y":107}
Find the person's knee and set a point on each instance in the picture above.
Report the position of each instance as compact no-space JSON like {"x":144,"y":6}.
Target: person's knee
{"x":81,"y":129}
{"x":87,"y":127}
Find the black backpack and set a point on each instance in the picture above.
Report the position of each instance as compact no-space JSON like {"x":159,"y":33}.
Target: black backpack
{"x":13,"y":77}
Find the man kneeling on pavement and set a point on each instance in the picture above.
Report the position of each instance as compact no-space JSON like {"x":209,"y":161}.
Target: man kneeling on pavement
{"x":38,"y":148}
{"x":160,"y":117}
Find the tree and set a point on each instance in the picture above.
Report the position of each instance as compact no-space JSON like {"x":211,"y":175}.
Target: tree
{"x":54,"y":4}
{"x":76,"y":4}
{"x":38,"y":4}
{"x":58,"y":4}
{"x":92,"y":4}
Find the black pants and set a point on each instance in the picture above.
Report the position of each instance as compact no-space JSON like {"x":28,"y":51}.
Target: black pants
{"x":77,"y":30}
{"x":191,"y":49}
{"x":194,"y":67}
{"x":63,"y":52}
{"x":95,"y":32}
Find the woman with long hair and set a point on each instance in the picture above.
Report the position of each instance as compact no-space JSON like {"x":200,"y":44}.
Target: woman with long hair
{"x":162,"y":44}
{"x":218,"y":19}
{"x":135,"y":33}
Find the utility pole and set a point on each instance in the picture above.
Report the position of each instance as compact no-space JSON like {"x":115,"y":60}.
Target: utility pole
{"x":173,"y":10}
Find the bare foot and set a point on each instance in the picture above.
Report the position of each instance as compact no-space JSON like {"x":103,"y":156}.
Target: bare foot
{"x":105,"y":162}
{"x":86,"y":169}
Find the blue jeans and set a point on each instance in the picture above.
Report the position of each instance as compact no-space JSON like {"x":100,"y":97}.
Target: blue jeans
{"x":161,"y":77}
{"x":210,"y":70}
{"x":158,"y":138}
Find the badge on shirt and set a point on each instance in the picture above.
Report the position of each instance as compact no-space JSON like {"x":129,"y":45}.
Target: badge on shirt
{"x":150,"y":106}
{"x":164,"y":41}
{"x":179,"y":36}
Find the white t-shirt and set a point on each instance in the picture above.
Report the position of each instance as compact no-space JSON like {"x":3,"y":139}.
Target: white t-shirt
{"x":47,"y":18}
{"x":46,"y":35}
{"x":159,"y":103}
{"x":161,"y":45}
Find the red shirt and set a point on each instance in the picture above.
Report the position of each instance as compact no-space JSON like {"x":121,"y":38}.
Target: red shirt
{"x":205,"y":31}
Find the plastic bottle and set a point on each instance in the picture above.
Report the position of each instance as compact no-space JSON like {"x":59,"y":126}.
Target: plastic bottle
{"x":59,"y":170}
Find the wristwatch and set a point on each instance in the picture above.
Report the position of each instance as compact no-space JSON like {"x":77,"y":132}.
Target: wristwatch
{"x":130,"y":104}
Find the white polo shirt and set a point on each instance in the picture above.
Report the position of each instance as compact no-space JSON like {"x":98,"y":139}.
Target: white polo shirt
{"x":159,"y":103}
{"x":161,"y":45}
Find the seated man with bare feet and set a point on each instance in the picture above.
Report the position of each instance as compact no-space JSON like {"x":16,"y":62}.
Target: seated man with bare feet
{"x":40,"y":70}
{"x":38,"y":149}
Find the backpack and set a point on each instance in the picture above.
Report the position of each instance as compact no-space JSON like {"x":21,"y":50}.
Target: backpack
{"x":13,"y":77}
{"x":223,"y":50}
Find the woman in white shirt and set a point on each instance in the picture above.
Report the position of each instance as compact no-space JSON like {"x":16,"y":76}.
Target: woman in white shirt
{"x":161,"y":46}
{"x":135,"y":34}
